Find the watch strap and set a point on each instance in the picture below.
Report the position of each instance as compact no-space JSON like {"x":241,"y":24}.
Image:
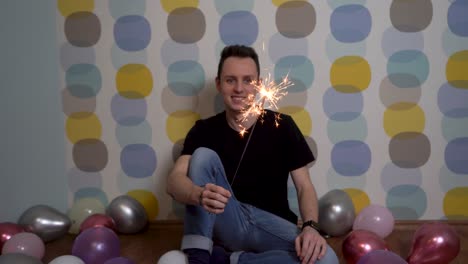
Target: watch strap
{"x":315,"y":226}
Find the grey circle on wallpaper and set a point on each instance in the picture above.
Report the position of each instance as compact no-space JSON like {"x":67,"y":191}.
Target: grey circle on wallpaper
{"x":411,"y":16}
{"x":391,"y":94}
{"x":409,"y":149}
{"x":296,"y":19}
{"x":186,"y":25}
{"x":90,"y":155}
{"x":82,"y":29}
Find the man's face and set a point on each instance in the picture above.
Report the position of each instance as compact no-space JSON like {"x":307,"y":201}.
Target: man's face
{"x":236,"y":82}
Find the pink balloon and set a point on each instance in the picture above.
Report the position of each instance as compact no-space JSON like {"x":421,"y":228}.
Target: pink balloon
{"x":96,"y":245}
{"x":7,"y":230}
{"x":381,"y":256}
{"x":360,"y":242}
{"x":25,"y":243}
{"x":434,"y":243}
{"x":96,"y":220}
{"x":375,"y":218}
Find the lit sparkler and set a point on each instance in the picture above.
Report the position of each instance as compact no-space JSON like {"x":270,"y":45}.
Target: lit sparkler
{"x":267,"y":95}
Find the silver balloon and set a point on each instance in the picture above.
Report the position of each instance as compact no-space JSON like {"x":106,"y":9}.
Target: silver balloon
{"x":129,"y":214}
{"x":18,"y":258}
{"x":46,"y":222}
{"x":336,"y":213}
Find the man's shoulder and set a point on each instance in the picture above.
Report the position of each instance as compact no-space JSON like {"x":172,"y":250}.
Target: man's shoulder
{"x":214,"y":120}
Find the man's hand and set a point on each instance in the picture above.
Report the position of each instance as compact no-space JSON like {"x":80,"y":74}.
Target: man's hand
{"x":214,"y":198}
{"x":310,"y":245}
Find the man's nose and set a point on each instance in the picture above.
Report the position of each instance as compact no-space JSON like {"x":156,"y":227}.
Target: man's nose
{"x":239,"y":87}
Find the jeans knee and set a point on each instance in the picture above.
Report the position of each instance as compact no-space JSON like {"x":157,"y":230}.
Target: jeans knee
{"x":203,"y":160}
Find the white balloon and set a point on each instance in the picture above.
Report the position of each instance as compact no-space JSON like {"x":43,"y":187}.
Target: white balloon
{"x":173,"y":257}
{"x":67,"y":259}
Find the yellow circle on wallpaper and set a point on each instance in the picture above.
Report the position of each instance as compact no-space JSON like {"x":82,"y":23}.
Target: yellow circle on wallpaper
{"x":171,"y":5}
{"x":148,"y":200}
{"x":403,"y":117}
{"x":360,"y":199}
{"x":457,"y":69}
{"x":350,"y":74}
{"x":134,"y":81}
{"x":300,"y":116}
{"x":179,"y":123}
{"x":83,"y":125}
{"x":67,"y":7}
{"x":455,"y":202}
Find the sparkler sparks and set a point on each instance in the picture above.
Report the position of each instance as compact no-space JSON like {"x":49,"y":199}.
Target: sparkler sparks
{"x":267,"y":94}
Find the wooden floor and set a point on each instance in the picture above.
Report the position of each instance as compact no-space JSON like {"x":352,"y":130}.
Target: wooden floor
{"x":162,"y":236}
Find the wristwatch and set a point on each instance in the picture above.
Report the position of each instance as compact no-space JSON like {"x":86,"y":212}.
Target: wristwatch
{"x":315,"y":226}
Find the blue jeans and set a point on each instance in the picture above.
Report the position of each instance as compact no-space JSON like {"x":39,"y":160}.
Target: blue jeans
{"x":252,"y":234}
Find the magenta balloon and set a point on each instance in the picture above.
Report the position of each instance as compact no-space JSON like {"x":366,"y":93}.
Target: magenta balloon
{"x":360,"y":242}
{"x":7,"y":230}
{"x":375,"y":218}
{"x":25,"y":243}
{"x":434,"y":243}
{"x":96,"y":245}
{"x":96,"y":220}
{"x":381,"y":256}
{"x":119,"y":260}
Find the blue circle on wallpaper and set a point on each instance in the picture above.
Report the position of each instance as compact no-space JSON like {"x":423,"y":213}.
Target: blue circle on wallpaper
{"x":406,"y":202}
{"x":453,"y":102}
{"x":172,"y":52}
{"x":351,"y":157}
{"x":296,"y":46}
{"x":238,"y":27}
{"x":392,"y":176}
{"x":453,"y":128}
{"x":83,"y":80}
{"x":336,"y":49}
{"x":457,"y":18}
{"x":394,"y":40}
{"x":300,"y":72}
{"x":91,"y":192}
{"x":119,"y":8}
{"x":139,"y":134}
{"x":132,"y":33}
{"x":186,"y":78}
{"x":408,"y":68}
{"x":452,"y":43}
{"x":456,"y":155}
{"x":121,"y":57}
{"x":226,"y":6}
{"x":355,"y":129}
{"x":128,"y":112}
{"x":342,"y":106}
{"x":138,"y":160}
{"x":350,"y":23}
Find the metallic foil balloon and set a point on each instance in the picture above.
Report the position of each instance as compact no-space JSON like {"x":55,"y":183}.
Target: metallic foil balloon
{"x":375,"y":218}
{"x":129,"y":215}
{"x":7,"y":230}
{"x":46,"y":222}
{"x":434,"y":243}
{"x":336,"y":213}
{"x":18,"y":258}
{"x":359,"y":243}
{"x":96,"y":245}
{"x":98,"y":220}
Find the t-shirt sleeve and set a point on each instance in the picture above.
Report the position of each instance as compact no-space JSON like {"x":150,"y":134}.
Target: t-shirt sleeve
{"x":298,"y":151}
{"x":194,"y":139}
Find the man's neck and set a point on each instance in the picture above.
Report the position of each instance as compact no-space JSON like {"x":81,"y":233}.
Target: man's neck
{"x":237,"y":120}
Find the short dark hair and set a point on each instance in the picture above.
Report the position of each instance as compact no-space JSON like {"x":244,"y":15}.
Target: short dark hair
{"x":239,"y":51}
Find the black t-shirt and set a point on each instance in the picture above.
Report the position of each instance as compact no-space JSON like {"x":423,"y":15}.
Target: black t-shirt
{"x":272,"y":152}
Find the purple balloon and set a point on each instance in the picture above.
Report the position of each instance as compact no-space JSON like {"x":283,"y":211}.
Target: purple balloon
{"x":382,"y":257}
{"x":375,"y":218}
{"x":96,"y":245}
{"x":119,"y":260}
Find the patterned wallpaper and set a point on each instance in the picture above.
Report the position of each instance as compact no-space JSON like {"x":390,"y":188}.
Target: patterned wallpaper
{"x":380,"y":91}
